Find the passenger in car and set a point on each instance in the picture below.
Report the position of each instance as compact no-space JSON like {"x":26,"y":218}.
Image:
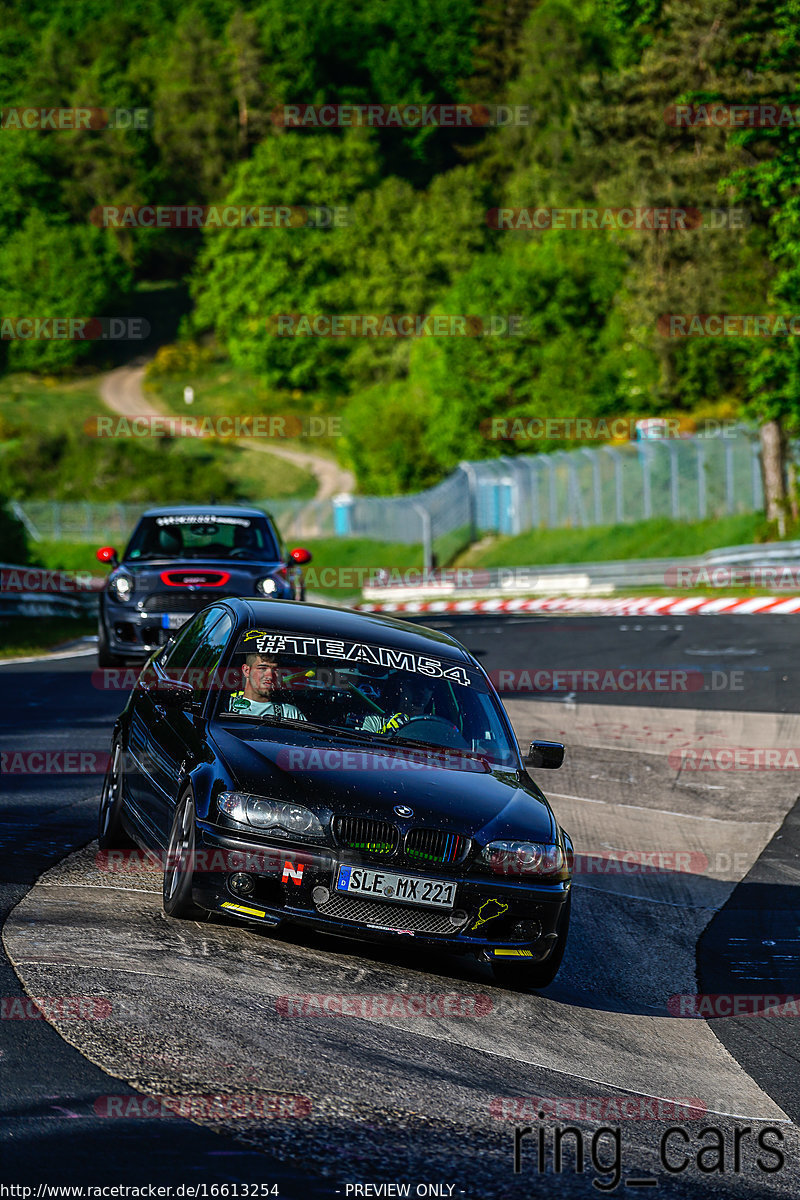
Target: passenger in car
{"x":407,"y":698}
{"x":262,"y":680}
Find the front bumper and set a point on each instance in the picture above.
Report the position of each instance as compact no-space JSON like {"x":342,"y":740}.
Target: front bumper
{"x":135,"y":632}
{"x":295,"y":884}
{"x":132,"y":632}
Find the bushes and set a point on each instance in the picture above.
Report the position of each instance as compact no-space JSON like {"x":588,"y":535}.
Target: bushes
{"x":13,"y":538}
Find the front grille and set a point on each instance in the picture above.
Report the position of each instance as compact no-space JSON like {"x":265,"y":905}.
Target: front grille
{"x":178,"y":600}
{"x":361,"y":833}
{"x":205,"y":579}
{"x":435,"y":846}
{"x":387,"y":916}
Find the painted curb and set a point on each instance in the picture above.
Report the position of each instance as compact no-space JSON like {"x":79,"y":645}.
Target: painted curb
{"x":646,"y":606}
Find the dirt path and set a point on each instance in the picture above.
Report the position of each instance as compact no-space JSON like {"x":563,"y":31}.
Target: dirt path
{"x":121,"y":391}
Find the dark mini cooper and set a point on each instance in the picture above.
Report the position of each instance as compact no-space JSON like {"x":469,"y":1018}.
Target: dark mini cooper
{"x":177,"y":561}
{"x":297,"y":763}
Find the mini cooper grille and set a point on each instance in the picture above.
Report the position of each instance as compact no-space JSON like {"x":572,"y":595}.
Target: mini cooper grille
{"x":177,"y":600}
{"x":387,"y":916}
{"x":435,"y":846}
{"x":371,"y":837}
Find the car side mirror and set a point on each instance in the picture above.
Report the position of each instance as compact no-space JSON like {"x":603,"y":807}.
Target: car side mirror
{"x":300,"y":556}
{"x":172,"y":693}
{"x":107,"y":554}
{"x":548,"y":755}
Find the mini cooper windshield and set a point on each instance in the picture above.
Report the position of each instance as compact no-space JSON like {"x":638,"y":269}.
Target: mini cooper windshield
{"x":364,"y":689}
{"x":202,"y":535}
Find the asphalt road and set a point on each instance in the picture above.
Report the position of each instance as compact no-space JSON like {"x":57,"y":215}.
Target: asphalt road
{"x":733,"y":662}
{"x":197,"y":1007}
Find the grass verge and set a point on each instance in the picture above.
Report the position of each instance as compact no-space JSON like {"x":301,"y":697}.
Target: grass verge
{"x":341,"y":566}
{"x":37,"y":635}
{"x":48,"y":453}
{"x":659,"y":538}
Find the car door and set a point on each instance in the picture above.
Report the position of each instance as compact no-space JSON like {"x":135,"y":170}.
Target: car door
{"x":144,"y":776}
{"x":177,"y":735}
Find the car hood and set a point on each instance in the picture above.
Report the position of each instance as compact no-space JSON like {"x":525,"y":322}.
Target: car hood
{"x":360,"y":778}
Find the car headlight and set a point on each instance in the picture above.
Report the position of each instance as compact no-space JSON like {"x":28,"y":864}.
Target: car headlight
{"x":266,"y":586}
{"x":526,"y":858}
{"x":276,"y":817}
{"x":121,"y":587}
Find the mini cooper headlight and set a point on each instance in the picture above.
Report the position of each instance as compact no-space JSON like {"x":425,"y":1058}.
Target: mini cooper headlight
{"x":275,"y":817}
{"x":526,"y":858}
{"x":121,"y":587}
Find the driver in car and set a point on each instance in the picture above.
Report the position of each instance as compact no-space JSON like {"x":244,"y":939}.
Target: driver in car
{"x":262,"y":680}
{"x":412,"y":698}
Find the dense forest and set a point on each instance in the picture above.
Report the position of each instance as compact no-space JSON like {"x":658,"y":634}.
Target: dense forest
{"x":596,"y":82}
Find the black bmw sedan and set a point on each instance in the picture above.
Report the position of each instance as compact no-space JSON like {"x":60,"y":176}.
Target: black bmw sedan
{"x":180,"y":559}
{"x":297,"y":763}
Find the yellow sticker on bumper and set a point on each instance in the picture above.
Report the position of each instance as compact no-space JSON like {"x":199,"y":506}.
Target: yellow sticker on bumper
{"x":513,"y":953}
{"x":241,"y":908}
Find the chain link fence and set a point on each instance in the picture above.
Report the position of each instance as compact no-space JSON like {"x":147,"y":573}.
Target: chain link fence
{"x":688,"y":479}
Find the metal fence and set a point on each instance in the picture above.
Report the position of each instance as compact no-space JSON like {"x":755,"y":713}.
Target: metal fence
{"x":688,"y":479}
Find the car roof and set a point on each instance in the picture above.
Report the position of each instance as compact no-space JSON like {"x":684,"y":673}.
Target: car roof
{"x":222,"y":510}
{"x":325,"y":621}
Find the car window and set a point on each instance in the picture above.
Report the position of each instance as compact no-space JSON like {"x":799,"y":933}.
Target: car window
{"x":373,"y":690}
{"x":178,"y":656}
{"x":202,"y":535}
{"x":206,"y":658}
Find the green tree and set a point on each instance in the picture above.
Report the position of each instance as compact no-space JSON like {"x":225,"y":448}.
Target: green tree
{"x":194,"y":114}
{"x":403,"y":250}
{"x":244,"y":276}
{"x":770,"y":182}
{"x":49,"y":271}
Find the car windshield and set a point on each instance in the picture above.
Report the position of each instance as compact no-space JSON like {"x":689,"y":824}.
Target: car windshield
{"x":203,"y":535}
{"x":364,"y":689}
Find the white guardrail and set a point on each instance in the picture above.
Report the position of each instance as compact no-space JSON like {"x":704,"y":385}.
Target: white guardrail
{"x":39,"y":592}
{"x":770,"y":564}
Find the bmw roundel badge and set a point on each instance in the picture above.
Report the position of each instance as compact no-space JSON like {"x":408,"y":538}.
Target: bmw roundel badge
{"x":403,"y":810}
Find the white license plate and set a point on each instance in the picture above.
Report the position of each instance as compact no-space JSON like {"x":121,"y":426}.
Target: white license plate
{"x":174,"y":620}
{"x":408,"y":889}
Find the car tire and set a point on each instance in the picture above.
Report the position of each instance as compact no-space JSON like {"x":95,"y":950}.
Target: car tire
{"x":178,"y":868}
{"x":536,"y":975}
{"x":111,"y":833}
{"x":105,"y":659}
